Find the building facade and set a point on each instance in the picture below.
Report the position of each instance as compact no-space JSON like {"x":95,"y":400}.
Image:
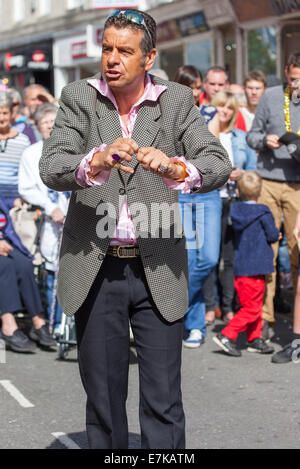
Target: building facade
{"x":53,"y":42}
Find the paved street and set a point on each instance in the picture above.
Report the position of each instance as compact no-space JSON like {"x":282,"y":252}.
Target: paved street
{"x":229,"y":402}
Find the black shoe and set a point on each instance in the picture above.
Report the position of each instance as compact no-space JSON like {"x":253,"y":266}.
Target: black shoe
{"x":287,"y":354}
{"x":227,"y":345}
{"x":42,"y":336}
{"x":18,"y":342}
{"x":259,"y":346}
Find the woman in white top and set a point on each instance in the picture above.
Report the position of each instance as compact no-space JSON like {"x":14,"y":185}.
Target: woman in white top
{"x":54,"y":204}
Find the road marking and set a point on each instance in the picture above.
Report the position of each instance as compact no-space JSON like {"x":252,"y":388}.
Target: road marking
{"x":65,"y":440}
{"x":15,"y":393}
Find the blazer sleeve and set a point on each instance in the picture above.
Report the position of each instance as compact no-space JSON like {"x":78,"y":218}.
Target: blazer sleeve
{"x":65,"y":148}
{"x":200,"y":146}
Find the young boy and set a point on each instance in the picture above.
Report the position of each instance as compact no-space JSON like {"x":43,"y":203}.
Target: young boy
{"x":254,"y":231}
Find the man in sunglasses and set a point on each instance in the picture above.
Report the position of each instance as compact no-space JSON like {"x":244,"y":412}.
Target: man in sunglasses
{"x":124,"y":142}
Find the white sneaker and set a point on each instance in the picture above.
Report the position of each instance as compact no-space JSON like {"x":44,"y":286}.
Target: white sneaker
{"x":194,"y":340}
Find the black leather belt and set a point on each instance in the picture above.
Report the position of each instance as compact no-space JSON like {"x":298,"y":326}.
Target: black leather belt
{"x":124,"y":252}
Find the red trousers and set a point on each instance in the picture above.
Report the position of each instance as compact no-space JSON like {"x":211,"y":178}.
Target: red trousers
{"x":250,"y":291}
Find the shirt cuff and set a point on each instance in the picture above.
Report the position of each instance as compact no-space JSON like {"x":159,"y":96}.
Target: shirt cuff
{"x":81,"y":173}
{"x":193,"y":180}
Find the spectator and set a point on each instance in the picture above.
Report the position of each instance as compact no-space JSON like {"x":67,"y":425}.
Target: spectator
{"x":33,"y":96}
{"x":159,"y":72}
{"x":255,"y":84}
{"x":54,"y":204}
{"x":12,"y":145}
{"x":293,"y":348}
{"x":239,"y":93}
{"x":18,"y":289}
{"x":201,"y":214}
{"x":18,"y":120}
{"x":254,"y":230}
{"x":217,"y":80}
{"x":277,"y":114}
{"x":242,"y":159}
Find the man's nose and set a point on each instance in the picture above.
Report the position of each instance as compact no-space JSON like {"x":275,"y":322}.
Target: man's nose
{"x":113,"y":57}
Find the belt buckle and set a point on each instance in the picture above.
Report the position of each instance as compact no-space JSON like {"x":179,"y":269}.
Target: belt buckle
{"x":124,"y":256}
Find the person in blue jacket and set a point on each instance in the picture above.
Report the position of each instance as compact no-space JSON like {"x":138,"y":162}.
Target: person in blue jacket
{"x":243,"y":158}
{"x":18,"y":289}
{"x":254,"y":231}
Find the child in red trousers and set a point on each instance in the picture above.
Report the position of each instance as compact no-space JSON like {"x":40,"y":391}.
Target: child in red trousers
{"x":254,"y":231}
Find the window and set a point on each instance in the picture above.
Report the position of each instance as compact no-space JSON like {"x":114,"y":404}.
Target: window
{"x":262,"y":50}
{"x":45,"y":7}
{"x":18,"y":10}
{"x":199,"y":54}
{"x":74,"y":4}
{"x":171,"y":59}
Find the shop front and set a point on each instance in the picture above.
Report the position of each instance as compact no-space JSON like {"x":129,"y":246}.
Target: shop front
{"x":76,"y":57}
{"x":271,"y":32}
{"x":22,"y":66}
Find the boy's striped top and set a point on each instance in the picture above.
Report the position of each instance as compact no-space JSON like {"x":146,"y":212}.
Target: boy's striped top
{"x":10,"y":154}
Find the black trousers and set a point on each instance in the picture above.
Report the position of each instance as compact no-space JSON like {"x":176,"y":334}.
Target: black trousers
{"x":119,"y":294}
{"x":227,"y":254}
{"x":17,"y":285}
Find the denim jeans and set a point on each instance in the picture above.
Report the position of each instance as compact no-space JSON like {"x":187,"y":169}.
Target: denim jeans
{"x":201,"y":214}
{"x":55,"y":318}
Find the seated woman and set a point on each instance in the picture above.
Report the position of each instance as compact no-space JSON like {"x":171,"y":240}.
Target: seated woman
{"x":18,"y":289}
{"x":54,"y":204}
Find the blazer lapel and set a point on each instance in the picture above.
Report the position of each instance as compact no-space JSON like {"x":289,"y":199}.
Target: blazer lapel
{"x":108,"y":121}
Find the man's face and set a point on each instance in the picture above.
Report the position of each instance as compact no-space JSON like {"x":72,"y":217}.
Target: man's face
{"x":215,"y":82}
{"x":254,"y":90}
{"x":122,"y":62}
{"x":32,"y":99}
{"x":292,"y":74}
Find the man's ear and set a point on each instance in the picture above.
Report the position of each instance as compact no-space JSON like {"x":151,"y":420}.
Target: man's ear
{"x":150,"y":59}
{"x":286,"y":71}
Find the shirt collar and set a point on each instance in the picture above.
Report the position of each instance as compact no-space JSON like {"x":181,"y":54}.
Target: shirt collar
{"x":152,"y":90}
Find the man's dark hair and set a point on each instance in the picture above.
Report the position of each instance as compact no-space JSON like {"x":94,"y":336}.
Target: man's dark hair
{"x":256,"y":75}
{"x":294,"y":59}
{"x":216,"y":69}
{"x":147,"y":43}
{"x":187,"y":75}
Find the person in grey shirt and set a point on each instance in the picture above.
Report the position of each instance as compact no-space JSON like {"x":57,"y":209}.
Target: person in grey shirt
{"x":276,"y":114}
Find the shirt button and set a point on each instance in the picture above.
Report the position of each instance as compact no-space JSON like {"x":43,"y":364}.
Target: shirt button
{"x":101,"y":257}
{"x":122,"y":191}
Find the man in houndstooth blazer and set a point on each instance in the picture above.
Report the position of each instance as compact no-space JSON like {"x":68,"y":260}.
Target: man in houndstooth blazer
{"x":150,"y":289}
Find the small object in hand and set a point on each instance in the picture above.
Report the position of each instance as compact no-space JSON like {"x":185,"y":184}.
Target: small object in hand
{"x":117,"y":166}
{"x":116,"y":156}
{"x":298,"y":245}
{"x":163,"y":169}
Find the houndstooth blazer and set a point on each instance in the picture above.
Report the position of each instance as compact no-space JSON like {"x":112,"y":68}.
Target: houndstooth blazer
{"x":86,"y":119}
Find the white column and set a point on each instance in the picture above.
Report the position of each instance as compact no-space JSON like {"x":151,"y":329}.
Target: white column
{"x":60,"y":80}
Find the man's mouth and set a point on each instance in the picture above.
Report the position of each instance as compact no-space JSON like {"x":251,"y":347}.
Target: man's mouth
{"x":112,"y":74}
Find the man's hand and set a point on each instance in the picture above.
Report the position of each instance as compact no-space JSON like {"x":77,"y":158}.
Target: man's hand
{"x":57,"y":216}
{"x":152,"y":159}
{"x":18,"y":203}
{"x":5,"y":248}
{"x":124,"y":147}
{"x":236,"y":174}
{"x":272,"y":142}
{"x":296,"y":231}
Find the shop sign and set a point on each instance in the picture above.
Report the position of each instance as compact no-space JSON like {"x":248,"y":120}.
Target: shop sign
{"x":101,"y":4}
{"x":11,"y":61}
{"x":38,"y":61}
{"x":181,"y":27}
{"x":282,"y":7}
{"x":79,"y":50}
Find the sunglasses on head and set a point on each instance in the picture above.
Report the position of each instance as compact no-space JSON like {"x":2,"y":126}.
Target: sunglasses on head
{"x":133,"y":17}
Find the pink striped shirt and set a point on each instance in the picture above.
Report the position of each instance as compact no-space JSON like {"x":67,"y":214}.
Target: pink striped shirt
{"x":124,"y":232}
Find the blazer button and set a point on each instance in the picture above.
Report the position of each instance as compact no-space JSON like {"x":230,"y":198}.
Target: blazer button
{"x":122,"y":191}
{"x":101,"y":257}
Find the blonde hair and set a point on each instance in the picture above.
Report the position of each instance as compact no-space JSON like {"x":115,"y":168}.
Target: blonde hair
{"x":221,"y":99}
{"x":249,"y":186}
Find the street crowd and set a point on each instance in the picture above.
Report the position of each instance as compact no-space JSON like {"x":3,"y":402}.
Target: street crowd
{"x":250,"y":226}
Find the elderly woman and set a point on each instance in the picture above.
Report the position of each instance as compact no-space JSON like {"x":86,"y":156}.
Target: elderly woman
{"x":54,"y":204}
{"x":12,"y":145}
